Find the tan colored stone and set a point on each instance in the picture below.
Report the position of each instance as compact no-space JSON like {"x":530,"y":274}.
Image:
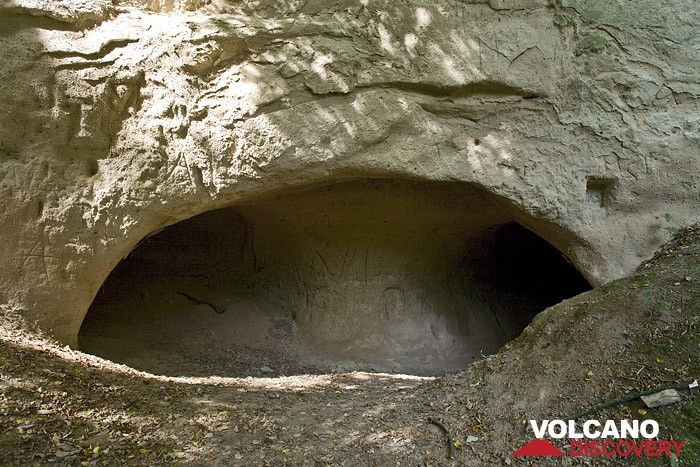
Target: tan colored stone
{"x":117,"y":121}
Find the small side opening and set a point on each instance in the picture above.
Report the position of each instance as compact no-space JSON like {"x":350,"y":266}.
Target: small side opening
{"x":535,"y":273}
{"x":599,"y":192}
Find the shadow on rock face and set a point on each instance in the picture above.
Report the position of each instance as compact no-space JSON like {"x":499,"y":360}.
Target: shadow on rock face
{"x":375,"y":275}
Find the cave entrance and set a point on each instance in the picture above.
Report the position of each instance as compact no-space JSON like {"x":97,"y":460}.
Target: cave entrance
{"x":374,"y":275}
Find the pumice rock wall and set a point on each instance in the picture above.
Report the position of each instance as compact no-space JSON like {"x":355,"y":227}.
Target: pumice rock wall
{"x":579,"y":118}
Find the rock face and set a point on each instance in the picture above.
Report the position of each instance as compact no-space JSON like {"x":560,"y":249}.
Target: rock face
{"x":578,"y":119}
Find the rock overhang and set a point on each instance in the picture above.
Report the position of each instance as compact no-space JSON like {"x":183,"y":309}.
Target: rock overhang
{"x":121,"y":121}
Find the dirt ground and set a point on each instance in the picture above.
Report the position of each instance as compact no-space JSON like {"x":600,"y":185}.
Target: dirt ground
{"x":59,"y":406}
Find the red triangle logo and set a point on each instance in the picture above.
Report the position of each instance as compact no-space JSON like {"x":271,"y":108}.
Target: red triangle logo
{"x":539,"y":447}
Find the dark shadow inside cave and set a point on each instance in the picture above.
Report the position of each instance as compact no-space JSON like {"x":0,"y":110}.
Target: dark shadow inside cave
{"x":375,"y":275}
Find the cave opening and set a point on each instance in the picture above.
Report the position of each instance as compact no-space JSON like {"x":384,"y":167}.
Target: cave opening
{"x":375,"y":275}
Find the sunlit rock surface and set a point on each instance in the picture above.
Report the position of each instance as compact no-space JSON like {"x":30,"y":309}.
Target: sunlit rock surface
{"x":579,"y":118}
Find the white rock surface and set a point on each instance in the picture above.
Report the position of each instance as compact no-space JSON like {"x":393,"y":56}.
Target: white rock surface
{"x":581,"y":116}
{"x":661,"y":398}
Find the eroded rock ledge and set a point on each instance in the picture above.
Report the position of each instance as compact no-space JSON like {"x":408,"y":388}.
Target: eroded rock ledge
{"x":119,"y":119}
